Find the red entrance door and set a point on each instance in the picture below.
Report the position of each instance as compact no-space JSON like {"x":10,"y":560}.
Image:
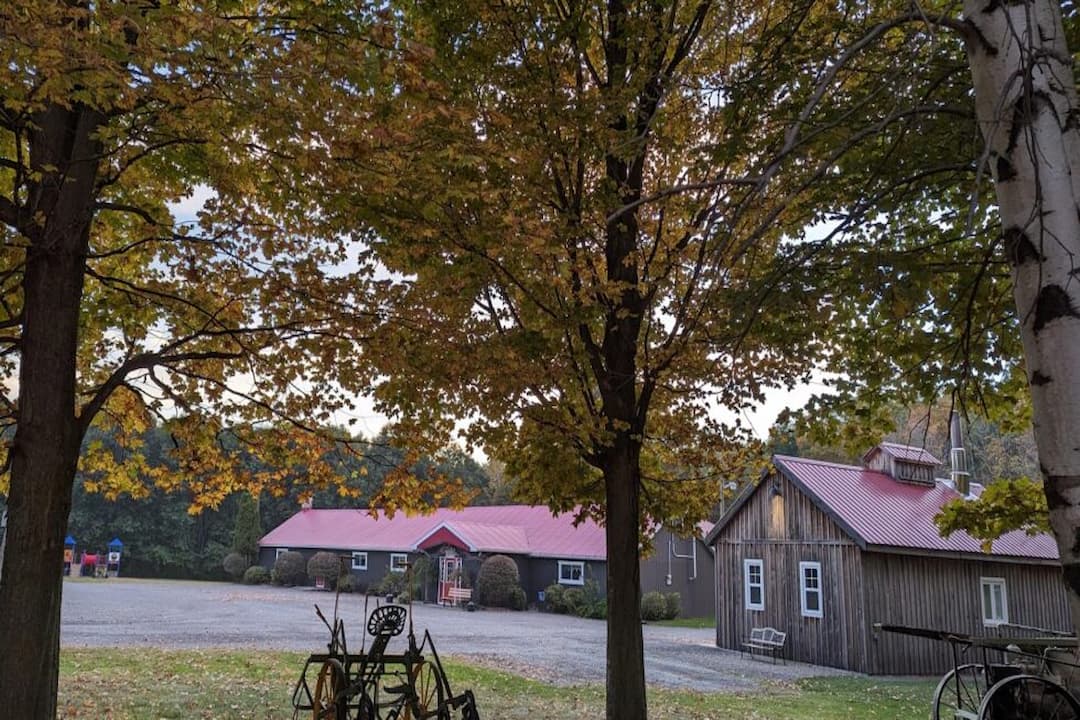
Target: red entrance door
{"x":449,"y":577}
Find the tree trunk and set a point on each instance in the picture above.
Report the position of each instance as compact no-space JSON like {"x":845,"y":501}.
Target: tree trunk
{"x":625,"y":649}
{"x":46,"y":445}
{"x":1026,"y":102}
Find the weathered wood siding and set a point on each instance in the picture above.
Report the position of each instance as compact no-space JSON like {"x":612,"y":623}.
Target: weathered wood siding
{"x":783,"y":530}
{"x":943,"y":593}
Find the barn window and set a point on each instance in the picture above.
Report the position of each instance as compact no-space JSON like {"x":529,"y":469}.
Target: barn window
{"x":754,"y":584}
{"x":280,"y":552}
{"x":995,"y":604}
{"x":359,"y":561}
{"x":810,"y":588}
{"x":571,"y":572}
{"x":398,"y":562}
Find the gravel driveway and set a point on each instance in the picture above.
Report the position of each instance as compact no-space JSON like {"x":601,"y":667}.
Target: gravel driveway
{"x":554,"y":648}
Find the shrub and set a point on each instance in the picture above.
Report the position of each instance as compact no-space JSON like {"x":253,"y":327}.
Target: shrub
{"x":256,"y":575}
{"x":289,"y":569}
{"x":498,"y":582}
{"x":519,"y":601}
{"x":235,"y":564}
{"x":653,"y":606}
{"x":403,"y":597}
{"x":672,"y":605}
{"x":554,"y":598}
{"x":326,"y":565}
{"x":392,"y":583}
{"x":592,"y":604}
{"x":348,"y":584}
{"x":575,"y":601}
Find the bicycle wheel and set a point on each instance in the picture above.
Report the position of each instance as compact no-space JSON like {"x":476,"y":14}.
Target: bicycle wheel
{"x":1028,"y":697}
{"x":331,"y":681}
{"x":961,"y":689}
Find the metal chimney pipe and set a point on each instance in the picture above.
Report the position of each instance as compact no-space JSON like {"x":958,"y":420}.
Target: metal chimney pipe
{"x":959,"y":473}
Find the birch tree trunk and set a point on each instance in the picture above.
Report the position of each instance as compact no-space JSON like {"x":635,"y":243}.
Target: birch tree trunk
{"x":1027,"y":109}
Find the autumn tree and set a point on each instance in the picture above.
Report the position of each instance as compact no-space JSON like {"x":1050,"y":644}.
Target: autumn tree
{"x":240,"y":322}
{"x":603,"y":240}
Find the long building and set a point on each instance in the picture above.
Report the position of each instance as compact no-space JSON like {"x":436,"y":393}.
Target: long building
{"x":548,"y":549}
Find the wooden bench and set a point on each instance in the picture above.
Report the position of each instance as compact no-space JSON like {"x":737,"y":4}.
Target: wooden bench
{"x":766,"y":641}
{"x":459,"y":595}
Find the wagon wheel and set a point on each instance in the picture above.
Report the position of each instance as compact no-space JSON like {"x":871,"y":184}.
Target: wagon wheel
{"x":331,"y":681}
{"x":428,"y":688}
{"x":960,"y":689}
{"x":1028,"y":697}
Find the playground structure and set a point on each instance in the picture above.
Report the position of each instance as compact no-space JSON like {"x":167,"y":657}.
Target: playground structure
{"x":89,"y":564}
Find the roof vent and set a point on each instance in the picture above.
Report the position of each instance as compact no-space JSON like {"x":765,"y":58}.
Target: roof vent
{"x":903,"y":463}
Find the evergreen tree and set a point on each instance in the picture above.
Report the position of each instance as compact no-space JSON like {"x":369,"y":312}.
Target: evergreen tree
{"x":248,"y":530}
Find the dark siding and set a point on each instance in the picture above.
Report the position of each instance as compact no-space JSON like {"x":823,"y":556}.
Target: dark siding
{"x":378,"y":563}
{"x":697,"y":594}
{"x":943,"y":593}
{"x":542,"y":572}
{"x":782,"y":531}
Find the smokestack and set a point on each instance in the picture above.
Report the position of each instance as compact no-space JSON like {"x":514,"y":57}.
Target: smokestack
{"x":958,"y":459}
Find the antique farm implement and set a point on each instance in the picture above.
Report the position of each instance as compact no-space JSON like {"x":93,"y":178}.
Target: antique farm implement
{"x":1005,"y":678}
{"x":375,"y":684}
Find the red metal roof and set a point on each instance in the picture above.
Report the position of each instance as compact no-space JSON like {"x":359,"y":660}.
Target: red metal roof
{"x":516,"y":529}
{"x":881,"y":511}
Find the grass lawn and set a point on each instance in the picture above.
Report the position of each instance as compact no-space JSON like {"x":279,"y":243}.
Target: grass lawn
{"x":135,"y":684}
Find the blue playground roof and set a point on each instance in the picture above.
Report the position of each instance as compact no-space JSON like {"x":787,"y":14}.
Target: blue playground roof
{"x":69,"y":540}
{"x":115,"y":542}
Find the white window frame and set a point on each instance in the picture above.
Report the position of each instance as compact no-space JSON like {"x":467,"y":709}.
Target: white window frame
{"x":361,"y":556}
{"x":805,"y":591}
{"x":749,"y":585}
{"x":989,"y":617}
{"x":579,"y":564}
{"x":279,"y":552}
{"x":398,"y":561}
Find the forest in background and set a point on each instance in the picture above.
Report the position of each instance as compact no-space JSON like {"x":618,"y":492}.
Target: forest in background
{"x":163,"y":539}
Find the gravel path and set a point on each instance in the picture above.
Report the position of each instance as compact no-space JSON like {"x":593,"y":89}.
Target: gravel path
{"x":554,"y":648}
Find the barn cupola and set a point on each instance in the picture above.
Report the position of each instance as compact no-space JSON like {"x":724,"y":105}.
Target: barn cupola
{"x":903,"y":463}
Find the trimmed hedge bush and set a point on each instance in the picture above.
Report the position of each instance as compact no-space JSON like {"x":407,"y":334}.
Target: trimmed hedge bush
{"x":672,"y":605}
{"x":235,"y":565}
{"x":256,"y":575}
{"x":652,"y":606}
{"x":289,"y":569}
{"x":660,"y":606}
{"x":498,"y":583}
{"x":326,"y":565}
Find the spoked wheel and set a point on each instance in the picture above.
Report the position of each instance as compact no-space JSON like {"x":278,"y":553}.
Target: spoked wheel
{"x":428,"y":686}
{"x":1028,"y":697}
{"x":961,"y":689}
{"x":330,"y":682}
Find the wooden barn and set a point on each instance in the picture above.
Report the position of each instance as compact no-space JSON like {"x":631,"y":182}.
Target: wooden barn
{"x":823,"y":551}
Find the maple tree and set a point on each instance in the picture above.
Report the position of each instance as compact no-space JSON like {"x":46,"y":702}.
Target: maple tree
{"x":238,"y":327}
{"x":604,"y":240}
